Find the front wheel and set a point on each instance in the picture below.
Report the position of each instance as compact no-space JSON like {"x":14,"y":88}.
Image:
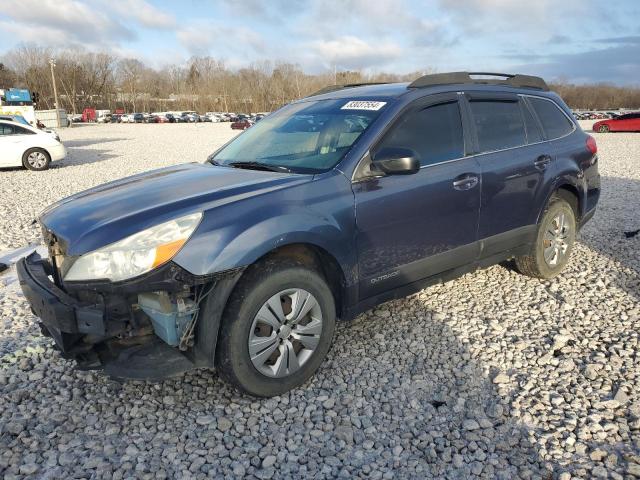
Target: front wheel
{"x":36,"y":159}
{"x":555,"y":237}
{"x":603,"y":129}
{"x":277,"y":328}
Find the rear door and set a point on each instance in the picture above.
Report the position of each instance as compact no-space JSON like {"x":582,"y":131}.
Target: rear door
{"x":515,"y":162}
{"x":414,"y":226}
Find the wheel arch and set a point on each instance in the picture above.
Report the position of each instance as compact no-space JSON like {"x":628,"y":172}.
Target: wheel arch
{"x":312,"y":255}
{"x":569,"y":192}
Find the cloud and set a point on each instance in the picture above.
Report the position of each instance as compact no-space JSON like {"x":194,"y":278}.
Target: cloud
{"x":201,"y":38}
{"x":618,"y":64}
{"x":94,"y":24}
{"x":539,"y":17}
{"x":629,"y":40}
{"x":72,"y":19}
{"x":354,"y":53}
{"x":144,"y":13}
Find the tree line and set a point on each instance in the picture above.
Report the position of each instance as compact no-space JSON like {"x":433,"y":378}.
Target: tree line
{"x":103,"y":80}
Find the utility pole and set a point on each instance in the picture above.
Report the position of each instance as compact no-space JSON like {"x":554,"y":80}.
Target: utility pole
{"x":52,"y":64}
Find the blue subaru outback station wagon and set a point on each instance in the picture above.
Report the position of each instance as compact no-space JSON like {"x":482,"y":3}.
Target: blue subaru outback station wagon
{"x":350,"y":197}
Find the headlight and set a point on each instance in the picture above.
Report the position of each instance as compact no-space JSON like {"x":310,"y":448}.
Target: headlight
{"x":136,"y":254}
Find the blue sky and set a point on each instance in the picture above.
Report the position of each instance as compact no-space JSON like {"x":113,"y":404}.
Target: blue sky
{"x":576,"y":40}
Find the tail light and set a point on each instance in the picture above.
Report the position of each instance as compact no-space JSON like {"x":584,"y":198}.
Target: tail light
{"x":591,"y":144}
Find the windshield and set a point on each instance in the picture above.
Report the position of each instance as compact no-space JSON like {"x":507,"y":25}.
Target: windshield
{"x":307,"y":137}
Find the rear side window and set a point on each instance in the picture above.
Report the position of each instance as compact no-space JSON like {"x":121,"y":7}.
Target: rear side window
{"x":499,"y":124}
{"x":533,"y":130}
{"x":554,"y":121}
{"x":22,"y":131}
{"x":434,"y":133}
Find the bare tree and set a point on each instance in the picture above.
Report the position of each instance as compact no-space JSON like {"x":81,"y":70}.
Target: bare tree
{"x":101,"y":80}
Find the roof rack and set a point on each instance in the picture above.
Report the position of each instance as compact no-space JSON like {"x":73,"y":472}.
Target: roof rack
{"x":334,"y":88}
{"x":511,"y":80}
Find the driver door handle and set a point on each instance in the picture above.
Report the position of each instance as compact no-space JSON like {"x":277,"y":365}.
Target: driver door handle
{"x":466,"y":181}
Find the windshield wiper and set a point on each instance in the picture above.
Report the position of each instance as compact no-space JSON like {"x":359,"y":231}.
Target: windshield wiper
{"x":259,"y":166}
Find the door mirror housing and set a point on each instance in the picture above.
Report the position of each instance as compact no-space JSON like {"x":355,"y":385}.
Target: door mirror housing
{"x":396,"y":161}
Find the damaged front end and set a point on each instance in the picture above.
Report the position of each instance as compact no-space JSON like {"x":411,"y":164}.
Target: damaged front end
{"x":151,"y":327}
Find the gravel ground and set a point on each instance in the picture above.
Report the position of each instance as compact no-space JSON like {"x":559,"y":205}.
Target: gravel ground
{"x":494,"y":375}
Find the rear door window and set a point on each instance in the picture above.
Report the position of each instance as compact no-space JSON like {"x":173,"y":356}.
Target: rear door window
{"x":499,"y":124}
{"x":434,"y":133}
{"x":6,"y":129}
{"x":554,"y":121}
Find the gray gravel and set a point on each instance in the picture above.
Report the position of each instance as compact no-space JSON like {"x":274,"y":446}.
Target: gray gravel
{"x":494,"y":375}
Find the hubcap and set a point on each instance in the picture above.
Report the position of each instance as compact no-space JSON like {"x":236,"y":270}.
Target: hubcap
{"x":285,"y":332}
{"x":555,"y":240}
{"x":37,"y":159}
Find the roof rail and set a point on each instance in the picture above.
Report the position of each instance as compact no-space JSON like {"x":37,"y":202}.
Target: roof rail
{"x":334,"y":88}
{"x":511,"y":80}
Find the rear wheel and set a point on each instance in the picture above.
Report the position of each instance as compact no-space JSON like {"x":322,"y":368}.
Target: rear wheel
{"x":277,"y":328}
{"x":36,"y":159}
{"x":554,"y":241}
{"x":603,"y":129}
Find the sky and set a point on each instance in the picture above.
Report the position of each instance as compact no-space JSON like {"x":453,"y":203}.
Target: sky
{"x":581,"y":41}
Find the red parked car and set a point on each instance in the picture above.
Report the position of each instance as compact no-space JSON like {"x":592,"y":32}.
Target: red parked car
{"x":629,"y":122}
{"x":241,"y":124}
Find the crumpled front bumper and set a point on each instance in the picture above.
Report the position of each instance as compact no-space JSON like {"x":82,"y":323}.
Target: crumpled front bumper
{"x":97,"y":325}
{"x":63,"y":317}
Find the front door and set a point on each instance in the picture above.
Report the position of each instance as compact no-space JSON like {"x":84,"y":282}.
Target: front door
{"x":10,"y":147}
{"x":414,"y":226}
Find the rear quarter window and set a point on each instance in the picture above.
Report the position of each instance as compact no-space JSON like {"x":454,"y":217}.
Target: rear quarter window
{"x":499,"y":124}
{"x":554,"y":121}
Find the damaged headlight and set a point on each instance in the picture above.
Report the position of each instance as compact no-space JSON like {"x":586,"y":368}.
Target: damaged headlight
{"x":136,"y":254}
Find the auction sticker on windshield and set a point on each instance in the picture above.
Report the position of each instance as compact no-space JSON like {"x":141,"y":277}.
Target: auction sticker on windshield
{"x":363,"y":105}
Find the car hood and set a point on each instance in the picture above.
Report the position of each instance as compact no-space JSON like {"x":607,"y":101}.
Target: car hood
{"x":107,"y":213}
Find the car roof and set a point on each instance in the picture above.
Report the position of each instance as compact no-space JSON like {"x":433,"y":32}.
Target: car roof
{"x":436,"y":83}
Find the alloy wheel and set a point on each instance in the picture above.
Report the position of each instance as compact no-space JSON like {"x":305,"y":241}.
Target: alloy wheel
{"x":555,"y":243}
{"x":285,"y":332}
{"x":37,"y":160}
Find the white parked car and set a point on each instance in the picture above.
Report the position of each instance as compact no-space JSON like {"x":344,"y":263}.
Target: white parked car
{"x":23,"y":145}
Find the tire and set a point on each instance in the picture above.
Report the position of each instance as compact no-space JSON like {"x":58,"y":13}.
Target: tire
{"x":36,"y":159}
{"x":548,"y":258}
{"x":249,"y":318}
{"x":603,"y":129}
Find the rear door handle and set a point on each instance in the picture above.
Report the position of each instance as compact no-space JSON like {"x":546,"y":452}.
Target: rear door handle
{"x":466,"y":181}
{"x":542,"y":162}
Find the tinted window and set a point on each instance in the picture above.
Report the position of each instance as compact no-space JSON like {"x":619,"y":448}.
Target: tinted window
{"x":533,"y":130}
{"x":6,"y":129}
{"x":22,"y":131}
{"x":434,"y":133}
{"x":499,"y":124}
{"x":554,"y":122}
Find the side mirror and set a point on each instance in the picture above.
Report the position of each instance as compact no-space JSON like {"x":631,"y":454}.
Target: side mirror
{"x":396,"y":161}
